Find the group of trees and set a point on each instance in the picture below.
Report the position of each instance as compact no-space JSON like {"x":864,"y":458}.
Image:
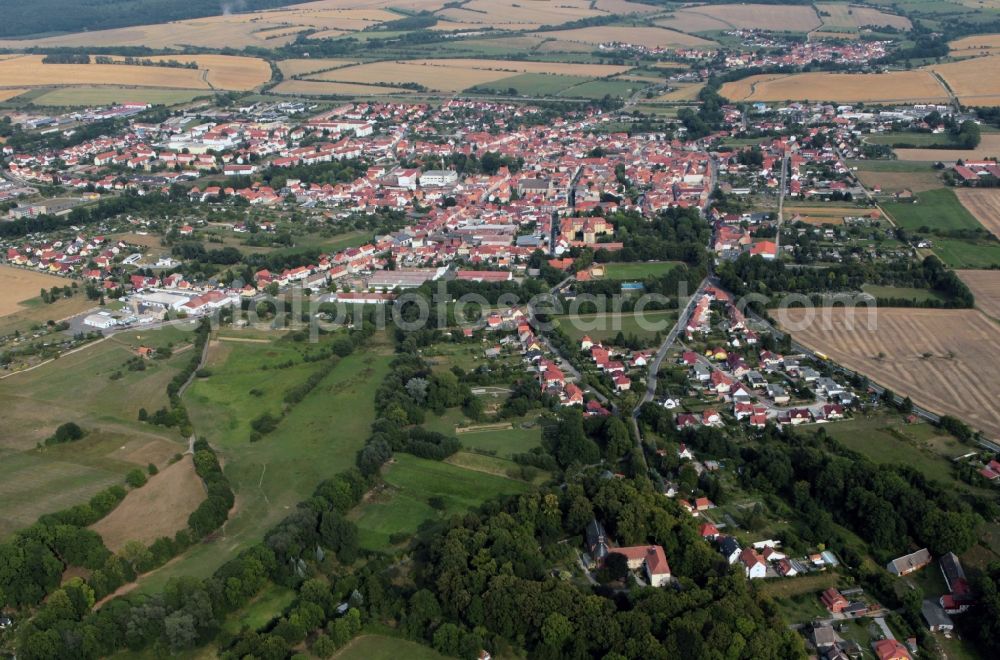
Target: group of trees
{"x":747,"y":274}
{"x":488,"y":577}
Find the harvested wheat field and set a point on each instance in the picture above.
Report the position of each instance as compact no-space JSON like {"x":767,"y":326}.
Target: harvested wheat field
{"x":319,"y":88}
{"x":844,"y":15}
{"x":458,"y":74}
{"x":892,"y":87}
{"x":797,"y":18}
{"x":18,"y":285}
{"x":625,"y":7}
{"x":891,"y":182}
{"x":985,"y":285}
{"x":984,"y":204}
{"x":215,"y":71}
{"x":526,"y":14}
{"x":959,"y":377}
{"x":650,"y":37}
{"x":682,"y":92}
{"x":989,"y":147}
{"x":160,"y":508}
{"x":975,"y":81}
{"x":8,"y":94}
{"x":265,"y":29}
{"x":980,"y":44}
{"x":291,"y":68}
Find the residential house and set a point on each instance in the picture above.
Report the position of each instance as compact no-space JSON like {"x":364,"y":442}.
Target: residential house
{"x":753,"y":564}
{"x":909,"y":563}
{"x":651,"y":559}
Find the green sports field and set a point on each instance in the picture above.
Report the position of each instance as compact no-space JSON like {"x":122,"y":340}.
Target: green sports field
{"x":638,"y":270}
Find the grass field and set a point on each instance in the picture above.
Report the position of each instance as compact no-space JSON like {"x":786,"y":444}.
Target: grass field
{"x":268,"y":604}
{"x":958,"y":376}
{"x":537,"y":84}
{"x":919,"y":295}
{"x":638,"y":270}
{"x":958,"y":253}
{"x":889,"y":440}
{"x":77,"y":388}
{"x":90,"y":96}
{"x":934,"y":209}
{"x":317,"y":88}
{"x":984,"y":204}
{"x":985,"y":285}
{"x":381,"y":647}
{"x":605,"y":326}
{"x":917,"y":139}
{"x":851,"y":16}
{"x":213,"y":72}
{"x":890,"y":87}
{"x":896,"y":166}
{"x":519,"y":436}
{"x":160,"y":508}
{"x":403,"y":506}
{"x":317,"y":439}
{"x":298,"y":67}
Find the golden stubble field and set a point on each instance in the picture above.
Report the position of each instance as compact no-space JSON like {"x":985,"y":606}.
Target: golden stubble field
{"x":452,"y":75}
{"x":974,"y":81}
{"x":894,"y":86}
{"x":224,"y":72}
{"x":959,"y":376}
{"x":984,"y":204}
{"x":18,"y":285}
{"x":797,"y":18}
{"x":160,"y":508}
{"x":650,"y":37}
{"x":985,"y":286}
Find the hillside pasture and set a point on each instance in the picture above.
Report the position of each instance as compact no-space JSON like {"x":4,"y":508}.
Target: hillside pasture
{"x":945,"y":360}
{"x":984,"y":204}
{"x":261,"y":29}
{"x":790,"y":18}
{"x":985,"y":286}
{"x":890,"y":87}
{"x":850,"y":16}
{"x":160,"y":508}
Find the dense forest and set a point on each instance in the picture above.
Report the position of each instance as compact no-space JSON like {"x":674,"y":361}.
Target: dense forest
{"x":23,"y":18}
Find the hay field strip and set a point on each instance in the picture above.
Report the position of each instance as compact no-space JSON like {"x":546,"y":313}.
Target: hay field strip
{"x":891,"y":87}
{"x":320,"y":88}
{"x":989,"y":147}
{"x":984,"y":204}
{"x":650,"y":37}
{"x":455,"y":75}
{"x":985,"y":285}
{"x":959,"y":379}
{"x":215,"y":72}
{"x":290,"y":68}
